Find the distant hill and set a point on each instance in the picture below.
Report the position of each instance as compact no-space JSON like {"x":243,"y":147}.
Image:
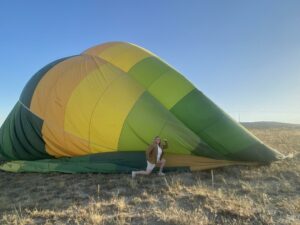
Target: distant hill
{"x":269,"y":124}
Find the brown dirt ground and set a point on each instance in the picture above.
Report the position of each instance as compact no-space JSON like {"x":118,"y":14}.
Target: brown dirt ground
{"x":238,"y":195}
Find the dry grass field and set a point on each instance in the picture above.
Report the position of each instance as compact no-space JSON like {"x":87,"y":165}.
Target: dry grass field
{"x":237,"y":195}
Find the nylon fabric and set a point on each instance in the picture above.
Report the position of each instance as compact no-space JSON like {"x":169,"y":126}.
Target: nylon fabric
{"x":21,"y":135}
{"x":110,"y":113}
{"x":124,"y":56}
{"x":27,"y":93}
{"x":85,"y":97}
{"x":147,"y":119}
{"x":47,"y":85}
{"x":197,"y":162}
{"x":107,"y":104}
{"x":148,"y":70}
{"x":115,"y":163}
{"x":171,"y":95}
{"x":68,"y":76}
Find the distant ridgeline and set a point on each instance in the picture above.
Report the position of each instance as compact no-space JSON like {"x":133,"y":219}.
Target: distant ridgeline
{"x":99,"y":110}
{"x":269,"y":124}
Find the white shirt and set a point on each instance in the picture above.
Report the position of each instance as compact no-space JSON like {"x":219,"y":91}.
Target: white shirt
{"x":159,"y":151}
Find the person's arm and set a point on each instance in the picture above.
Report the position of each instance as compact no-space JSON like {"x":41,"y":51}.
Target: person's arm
{"x":165,"y":145}
{"x":149,"y":149}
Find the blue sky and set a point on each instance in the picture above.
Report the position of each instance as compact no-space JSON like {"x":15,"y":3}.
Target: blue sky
{"x":244,"y":55}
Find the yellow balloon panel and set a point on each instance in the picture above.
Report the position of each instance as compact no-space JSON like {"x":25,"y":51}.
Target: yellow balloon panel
{"x":198,"y":162}
{"x":111,"y":111}
{"x":85,"y":97}
{"x":96,"y":50}
{"x":47,"y":85}
{"x":61,"y":82}
{"x":59,"y":143}
{"x":122,"y":55}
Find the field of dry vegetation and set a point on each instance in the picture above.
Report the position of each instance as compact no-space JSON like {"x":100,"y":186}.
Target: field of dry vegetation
{"x":238,"y":195}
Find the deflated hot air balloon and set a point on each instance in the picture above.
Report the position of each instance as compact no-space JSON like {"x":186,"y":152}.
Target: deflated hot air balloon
{"x":98,"y":112}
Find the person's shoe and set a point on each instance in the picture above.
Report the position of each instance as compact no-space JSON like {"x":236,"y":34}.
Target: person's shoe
{"x":133,"y":174}
{"x":161,"y":174}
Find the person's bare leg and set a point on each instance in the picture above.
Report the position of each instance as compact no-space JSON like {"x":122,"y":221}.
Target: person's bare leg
{"x":141,"y":172}
{"x":161,"y":167}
